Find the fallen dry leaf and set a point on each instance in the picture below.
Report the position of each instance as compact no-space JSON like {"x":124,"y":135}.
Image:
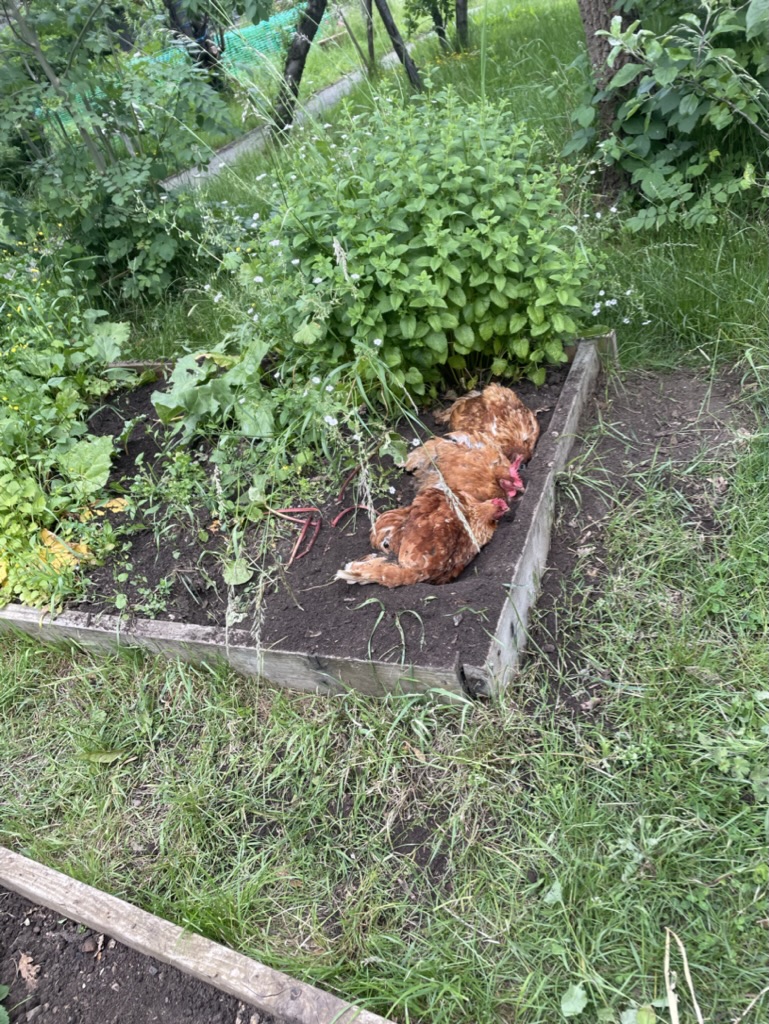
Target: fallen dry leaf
{"x":28,"y":970}
{"x":57,"y":553}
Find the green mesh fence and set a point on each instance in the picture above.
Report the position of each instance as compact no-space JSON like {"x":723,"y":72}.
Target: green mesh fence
{"x":243,"y":48}
{"x":248,"y":46}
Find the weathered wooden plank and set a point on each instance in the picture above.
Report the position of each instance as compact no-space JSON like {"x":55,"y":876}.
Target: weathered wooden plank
{"x":273,"y":992}
{"x":293,"y":670}
{"x":536,"y":517}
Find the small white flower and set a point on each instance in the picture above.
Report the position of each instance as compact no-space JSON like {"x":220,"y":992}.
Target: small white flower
{"x":391,"y":490}
{"x":294,"y":263}
{"x":596,"y":312}
{"x":256,"y":318}
{"x":217,"y":297}
{"x":611,"y":302}
{"x":317,"y":280}
{"x":625,"y":320}
{"x":274,"y":242}
{"x":330,"y":420}
{"x":292,"y":177}
{"x":585,"y":214}
{"x":415,"y":442}
{"x":332,"y":146}
{"x":316,"y":380}
{"x":629,"y":291}
{"x":260,"y":176}
{"x":258,"y":279}
{"x":645,"y":323}
{"x":327,"y":125}
{"x":612,"y":209}
{"x":254,"y":216}
{"x":355,"y":277}
{"x":276,"y":375}
{"x":329,"y":388}
{"x":598,"y":215}
{"x":241,"y":401}
{"x":602,"y":292}
{"x":207,"y":288}
{"x":377,"y":342}
{"x":250,"y":310}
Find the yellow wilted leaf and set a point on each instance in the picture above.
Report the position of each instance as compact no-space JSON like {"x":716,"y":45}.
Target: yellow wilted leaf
{"x":3,"y":572}
{"x":116,"y":504}
{"x":57,"y":553}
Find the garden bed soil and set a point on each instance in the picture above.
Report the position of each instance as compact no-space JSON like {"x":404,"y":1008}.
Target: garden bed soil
{"x":306,"y":610}
{"x":62,"y":973}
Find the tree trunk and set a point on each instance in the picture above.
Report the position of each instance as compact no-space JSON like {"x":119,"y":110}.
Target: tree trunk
{"x":368,"y":17}
{"x":398,"y":45}
{"x":199,"y":40}
{"x":463,"y":33}
{"x":596,"y":15}
{"x":440,"y":25}
{"x":296,"y":58}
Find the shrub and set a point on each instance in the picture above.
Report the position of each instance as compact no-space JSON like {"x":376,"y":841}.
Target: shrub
{"x":89,"y":148}
{"x":442,"y":235}
{"x":692,"y":110}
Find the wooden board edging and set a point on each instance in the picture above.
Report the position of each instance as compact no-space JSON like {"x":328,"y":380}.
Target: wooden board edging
{"x":285,"y":998}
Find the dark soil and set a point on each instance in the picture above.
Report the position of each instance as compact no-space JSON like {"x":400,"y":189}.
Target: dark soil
{"x":304,"y":609}
{"x":61,"y":973}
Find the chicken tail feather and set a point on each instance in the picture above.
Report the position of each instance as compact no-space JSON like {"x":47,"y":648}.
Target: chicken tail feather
{"x":379,"y":570}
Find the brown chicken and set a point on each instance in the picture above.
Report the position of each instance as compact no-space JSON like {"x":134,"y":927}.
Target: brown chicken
{"x":433,"y":539}
{"x":500,"y":416}
{"x":465,"y":462}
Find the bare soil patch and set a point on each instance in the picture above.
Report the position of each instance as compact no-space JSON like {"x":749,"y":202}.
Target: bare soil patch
{"x":60,"y":972}
{"x":304,"y":609}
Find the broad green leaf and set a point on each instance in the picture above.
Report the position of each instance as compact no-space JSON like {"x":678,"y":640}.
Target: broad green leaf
{"x":408,"y":325}
{"x":517,"y":322}
{"x":237,"y":572}
{"x":626,"y":75}
{"x":256,"y":420}
{"x":573,"y":1001}
{"x":554,"y":894}
{"x":464,"y":336}
{"x":87,"y":464}
{"x":757,"y":18}
{"x":108,"y":339}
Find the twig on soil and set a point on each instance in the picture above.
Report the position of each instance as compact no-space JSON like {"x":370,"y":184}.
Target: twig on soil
{"x":344,"y":512}
{"x":315,"y":525}
{"x":347,"y":481}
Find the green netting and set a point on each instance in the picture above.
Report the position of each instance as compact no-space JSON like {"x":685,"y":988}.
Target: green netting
{"x":248,"y":46}
{"x":243,"y":48}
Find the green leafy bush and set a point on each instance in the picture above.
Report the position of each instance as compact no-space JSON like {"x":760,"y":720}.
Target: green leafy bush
{"x":52,"y":367}
{"x":87,"y":136}
{"x":441,"y":236}
{"x":692,"y":112}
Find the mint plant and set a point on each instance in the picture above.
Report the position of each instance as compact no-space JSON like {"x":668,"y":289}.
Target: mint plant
{"x":443,"y":236}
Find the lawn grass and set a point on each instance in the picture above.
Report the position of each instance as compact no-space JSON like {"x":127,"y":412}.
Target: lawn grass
{"x":467,"y":864}
{"x":441,"y":863}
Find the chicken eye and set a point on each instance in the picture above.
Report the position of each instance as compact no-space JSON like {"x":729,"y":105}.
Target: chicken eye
{"x":385,"y":543}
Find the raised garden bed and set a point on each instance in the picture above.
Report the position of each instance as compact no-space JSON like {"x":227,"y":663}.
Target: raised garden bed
{"x":278,"y":998}
{"x":323,"y":636}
